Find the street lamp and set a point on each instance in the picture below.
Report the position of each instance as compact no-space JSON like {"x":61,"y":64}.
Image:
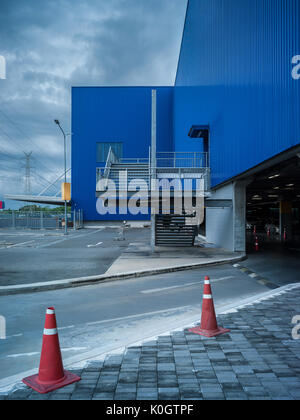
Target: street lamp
{"x":65,"y":165}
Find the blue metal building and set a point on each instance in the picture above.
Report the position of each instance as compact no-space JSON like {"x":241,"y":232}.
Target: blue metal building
{"x":239,"y":76}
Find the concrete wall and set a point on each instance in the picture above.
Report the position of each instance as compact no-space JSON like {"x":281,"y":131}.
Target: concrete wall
{"x":226,"y":227}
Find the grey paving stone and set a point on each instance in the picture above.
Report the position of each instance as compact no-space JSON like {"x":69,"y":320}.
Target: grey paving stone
{"x":125,"y":396}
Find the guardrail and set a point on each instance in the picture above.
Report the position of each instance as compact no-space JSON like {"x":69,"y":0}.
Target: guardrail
{"x":182,"y":160}
{"x":134,"y":160}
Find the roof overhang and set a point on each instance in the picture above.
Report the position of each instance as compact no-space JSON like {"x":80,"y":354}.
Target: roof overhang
{"x":37,"y":199}
{"x":199,"y":132}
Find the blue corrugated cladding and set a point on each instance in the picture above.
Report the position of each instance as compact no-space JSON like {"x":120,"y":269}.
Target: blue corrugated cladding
{"x":234,"y":73}
{"x":121,"y":114}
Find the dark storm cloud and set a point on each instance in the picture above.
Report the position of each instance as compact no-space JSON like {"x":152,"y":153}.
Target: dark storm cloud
{"x":54,"y":44}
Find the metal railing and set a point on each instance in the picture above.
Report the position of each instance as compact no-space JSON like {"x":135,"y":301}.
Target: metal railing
{"x":41,"y":220}
{"x":182,"y":160}
{"x":134,"y":160}
{"x":178,"y":161}
{"x":103,"y":173}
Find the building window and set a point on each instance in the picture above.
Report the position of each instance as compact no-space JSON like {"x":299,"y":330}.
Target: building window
{"x":103,"y":149}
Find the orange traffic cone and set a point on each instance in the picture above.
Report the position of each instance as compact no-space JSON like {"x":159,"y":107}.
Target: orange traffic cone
{"x":209,"y":327}
{"x":51,"y":374}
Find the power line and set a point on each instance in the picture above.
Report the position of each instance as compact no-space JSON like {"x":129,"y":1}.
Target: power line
{"x":25,"y":135}
{"x":8,"y":155}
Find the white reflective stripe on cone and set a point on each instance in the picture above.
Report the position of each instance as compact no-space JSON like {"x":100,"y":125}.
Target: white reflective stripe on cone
{"x":206,"y":281}
{"x":50,"y":312}
{"x":207,"y":296}
{"x":50,"y":332}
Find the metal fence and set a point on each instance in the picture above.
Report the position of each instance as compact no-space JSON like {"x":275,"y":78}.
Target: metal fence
{"x":41,"y":220}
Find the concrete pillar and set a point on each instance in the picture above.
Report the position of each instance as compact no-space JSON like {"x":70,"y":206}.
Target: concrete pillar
{"x":219,"y":220}
{"x":286,"y":220}
{"x":239,"y":216}
{"x":74,"y":219}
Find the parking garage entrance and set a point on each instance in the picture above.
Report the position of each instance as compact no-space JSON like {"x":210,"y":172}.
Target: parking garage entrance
{"x":273,"y":206}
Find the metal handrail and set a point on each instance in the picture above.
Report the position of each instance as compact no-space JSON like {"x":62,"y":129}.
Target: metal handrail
{"x":104,"y":173}
{"x":134,"y":160}
{"x":182,"y":159}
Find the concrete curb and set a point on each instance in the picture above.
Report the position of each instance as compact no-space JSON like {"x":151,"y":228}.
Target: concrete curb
{"x":103,"y":278}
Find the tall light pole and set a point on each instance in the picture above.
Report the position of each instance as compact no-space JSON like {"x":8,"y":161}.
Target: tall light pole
{"x":65,"y":165}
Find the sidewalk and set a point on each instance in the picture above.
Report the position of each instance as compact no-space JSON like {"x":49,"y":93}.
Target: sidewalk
{"x":258,"y":359}
{"x":138,"y":258}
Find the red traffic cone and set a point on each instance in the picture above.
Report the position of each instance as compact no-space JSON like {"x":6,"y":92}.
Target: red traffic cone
{"x":51,"y":374}
{"x":256,"y":244}
{"x":284,"y":235}
{"x":209,"y":327}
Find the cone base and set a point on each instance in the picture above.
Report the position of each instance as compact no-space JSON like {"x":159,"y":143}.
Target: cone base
{"x":44,"y":388}
{"x":209,"y":333}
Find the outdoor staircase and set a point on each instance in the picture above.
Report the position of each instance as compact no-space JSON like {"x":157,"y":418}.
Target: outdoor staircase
{"x":171,"y":230}
{"x":134,"y":172}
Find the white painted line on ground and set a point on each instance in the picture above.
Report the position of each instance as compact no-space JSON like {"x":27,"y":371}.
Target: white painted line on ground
{"x":66,"y":328}
{"x":15,"y":335}
{"x":140,"y":315}
{"x":162,"y":289}
{"x":14,"y":356}
{"x":253,"y":275}
{"x":91,"y":246}
{"x":69,"y":238}
{"x":75,"y":349}
{"x":22,"y":243}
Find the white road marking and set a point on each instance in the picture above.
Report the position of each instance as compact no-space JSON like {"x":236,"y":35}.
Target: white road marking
{"x":22,"y":355}
{"x":162,"y":289}
{"x":22,"y":243}
{"x":169,"y":288}
{"x":14,"y":356}
{"x":14,"y":335}
{"x":75,"y":349}
{"x":140,"y":315}
{"x":66,"y":328}
{"x":82,"y":235}
{"x":90,"y":246}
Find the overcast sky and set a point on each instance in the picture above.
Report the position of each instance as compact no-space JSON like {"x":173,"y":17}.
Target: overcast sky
{"x":52,"y":45}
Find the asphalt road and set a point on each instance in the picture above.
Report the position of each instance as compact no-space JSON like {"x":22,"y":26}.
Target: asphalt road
{"x":280,"y":263}
{"x":100,"y":318}
{"x":34,"y":256}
